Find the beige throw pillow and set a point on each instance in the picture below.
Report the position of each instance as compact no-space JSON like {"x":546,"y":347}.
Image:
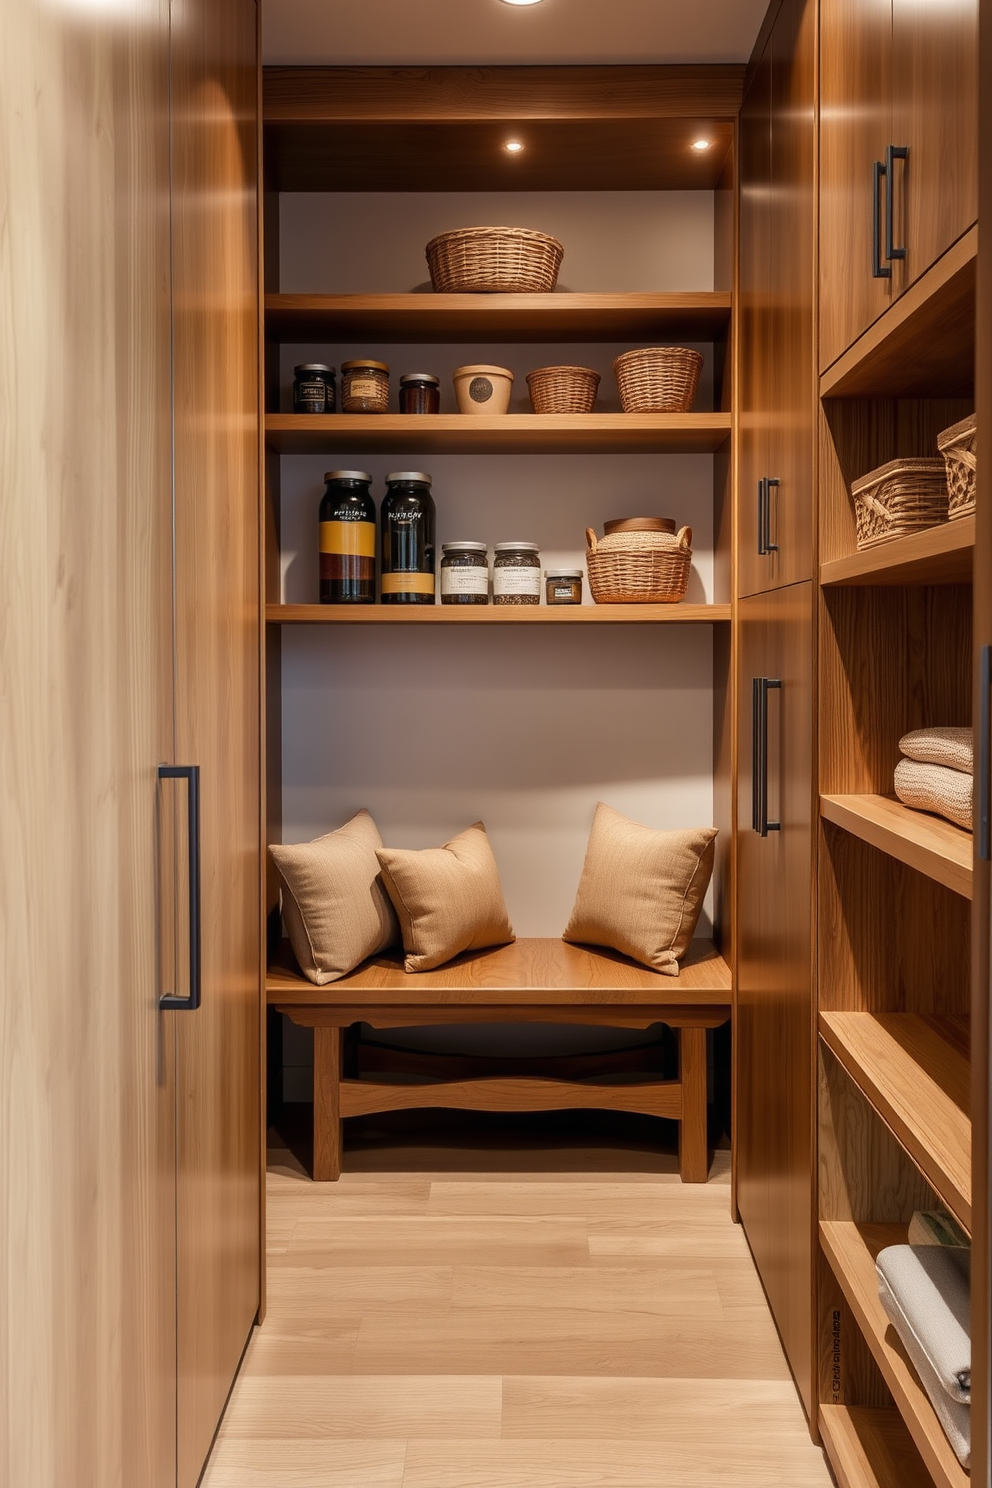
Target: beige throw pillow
{"x":448,"y":899}
{"x":641,"y":890}
{"x":336,"y":910}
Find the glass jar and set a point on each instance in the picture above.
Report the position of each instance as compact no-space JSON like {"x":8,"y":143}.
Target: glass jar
{"x":563,"y":586}
{"x":347,"y":539}
{"x":364,"y":387}
{"x":407,"y":538}
{"x":313,"y":388}
{"x":517,"y":574}
{"x":420,"y":392}
{"x":465,"y":573}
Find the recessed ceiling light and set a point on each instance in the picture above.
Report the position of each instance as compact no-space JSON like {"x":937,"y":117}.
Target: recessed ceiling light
{"x":513,"y":147}
{"x":702,"y":144}
{"x":520,"y":2}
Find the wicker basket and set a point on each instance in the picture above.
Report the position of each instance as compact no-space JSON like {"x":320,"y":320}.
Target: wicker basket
{"x":563,"y":389}
{"x":494,"y":260}
{"x":662,"y":379}
{"x":959,"y":447}
{"x":639,"y":567}
{"x":900,"y":497}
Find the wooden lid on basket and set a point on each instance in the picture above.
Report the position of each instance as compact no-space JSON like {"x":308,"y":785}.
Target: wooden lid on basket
{"x":639,"y":524}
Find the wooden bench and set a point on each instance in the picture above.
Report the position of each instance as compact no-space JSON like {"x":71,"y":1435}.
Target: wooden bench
{"x":531,"y":981}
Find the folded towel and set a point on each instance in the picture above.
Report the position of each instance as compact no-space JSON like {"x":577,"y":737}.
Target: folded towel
{"x":940,"y":746}
{"x":937,"y":1227}
{"x":928,"y":1299}
{"x":955,"y":1419}
{"x":936,"y":788}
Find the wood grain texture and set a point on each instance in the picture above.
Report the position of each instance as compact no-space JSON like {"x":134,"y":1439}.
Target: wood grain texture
{"x":606,"y":614}
{"x":870,"y":1447}
{"x":923,"y":842}
{"x":938,"y":555}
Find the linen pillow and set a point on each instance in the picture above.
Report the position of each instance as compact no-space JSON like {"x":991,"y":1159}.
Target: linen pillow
{"x":951,"y":747}
{"x":641,"y":890}
{"x":447,"y":899}
{"x":336,"y":910}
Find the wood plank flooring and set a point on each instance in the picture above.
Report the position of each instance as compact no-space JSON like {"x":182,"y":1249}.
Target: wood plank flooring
{"x":511,"y":1329}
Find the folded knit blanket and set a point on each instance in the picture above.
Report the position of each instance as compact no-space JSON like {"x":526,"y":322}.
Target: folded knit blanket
{"x":928,"y":1299}
{"x":940,"y":746}
{"x":937,"y":1227}
{"x":936,"y":788}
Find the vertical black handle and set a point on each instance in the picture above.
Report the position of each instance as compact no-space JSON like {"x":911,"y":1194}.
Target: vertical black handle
{"x":765,"y":544}
{"x":878,"y":269}
{"x":893,"y":153}
{"x":191,"y":774}
{"x":760,"y":688}
{"x":984,"y":764}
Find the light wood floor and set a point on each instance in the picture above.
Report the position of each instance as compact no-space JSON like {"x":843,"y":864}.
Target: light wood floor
{"x":521,"y":1328}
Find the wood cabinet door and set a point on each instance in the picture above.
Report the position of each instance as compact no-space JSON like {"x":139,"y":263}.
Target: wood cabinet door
{"x":756,"y":362}
{"x":217,"y":707}
{"x":774,"y":1015}
{"x":855,"y":131}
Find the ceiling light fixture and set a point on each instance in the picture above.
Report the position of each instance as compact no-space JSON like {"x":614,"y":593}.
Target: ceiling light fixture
{"x":702,"y":144}
{"x":513,"y":147}
{"x":520,"y":2}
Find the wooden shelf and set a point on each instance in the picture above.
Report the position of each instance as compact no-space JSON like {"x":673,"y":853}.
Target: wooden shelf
{"x":455,"y":318}
{"x":610,"y":614}
{"x":927,"y":843}
{"x":940,"y":555}
{"x":924,"y":344}
{"x":870,"y":1448}
{"x":851,"y":1250}
{"x":914,"y":1070}
{"x":511,"y":434}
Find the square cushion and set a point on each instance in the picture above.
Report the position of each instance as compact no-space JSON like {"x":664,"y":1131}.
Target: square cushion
{"x":447,"y":899}
{"x":336,"y":910}
{"x":641,"y":889}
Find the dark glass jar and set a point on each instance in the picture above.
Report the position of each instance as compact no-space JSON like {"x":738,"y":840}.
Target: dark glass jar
{"x":407,"y":539}
{"x":420,"y":392}
{"x":465,"y":573}
{"x":313,"y":388}
{"x":347,"y":539}
{"x":563,"y":586}
{"x":517,"y":574}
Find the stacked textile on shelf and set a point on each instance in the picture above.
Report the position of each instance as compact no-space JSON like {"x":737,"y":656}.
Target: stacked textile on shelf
{"x":925,"y":1289}
{"x":936,"y":773}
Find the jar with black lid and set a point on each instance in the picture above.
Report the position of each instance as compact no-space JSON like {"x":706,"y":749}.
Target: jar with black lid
{"x":465,"y":573}
{"x":407,"y":537}
{"x":420,"y":392}
{"x":517,"y":574}
{"x":347,"y":539}
{"x":364,"y":387}
{"x":313,"y":388}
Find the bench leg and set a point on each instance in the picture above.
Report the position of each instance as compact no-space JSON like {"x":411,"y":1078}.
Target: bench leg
{"x":326,"y":1104}
{"x":694,"y":1157}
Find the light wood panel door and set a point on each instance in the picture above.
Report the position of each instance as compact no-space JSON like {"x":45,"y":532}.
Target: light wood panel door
{"x":87,"y":1322}
{"x":774,"y":1019}
{"x":217,"y":707}
{"x":756,"y":361}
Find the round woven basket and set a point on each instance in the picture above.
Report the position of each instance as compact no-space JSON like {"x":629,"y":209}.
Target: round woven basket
{"x":661,"y":379}
{"x":494,"y":260}
{"x":563,"y":389}
{"x":639,"y":567}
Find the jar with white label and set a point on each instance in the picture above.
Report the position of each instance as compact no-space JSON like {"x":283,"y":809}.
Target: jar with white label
{"x":517,"y":574}
{"x":465,"y":573}
{"x":364,"y":387}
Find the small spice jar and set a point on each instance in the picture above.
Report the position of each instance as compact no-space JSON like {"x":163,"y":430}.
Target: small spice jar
{"x":364,"y":387}
{"x":420,"y":392}
{"x":313,"y":388}
{"x":465,"y":573}
{"x":563,"y":586}
{"x":517,"y":574}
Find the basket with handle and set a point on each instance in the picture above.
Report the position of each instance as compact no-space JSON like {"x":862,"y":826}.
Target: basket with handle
{"x":659,"y":379}
{"x":900,"y":497}
{"x":959,"y":447}
{"x":494,"y":260}
{"x":638,"y":567}
{"x":563,"y":389}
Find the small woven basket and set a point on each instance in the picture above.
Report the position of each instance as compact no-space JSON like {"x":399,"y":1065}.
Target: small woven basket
{"x":563,"y":389}
{"x":662,"y":379}
{"x":494,"y":260}
{"x":639,"y":567}
{"x":898,"y":498}
{"x":959,"y":447}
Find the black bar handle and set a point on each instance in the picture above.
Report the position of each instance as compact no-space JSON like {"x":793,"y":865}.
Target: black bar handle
{"x":762,"y":497}
{"x":770,"y":481}
{"x":760,"y":688}
{"x":984,"y":764}
{"x":878,"y":269}
{"x":191,"y":774}
{"x":892,"y":153}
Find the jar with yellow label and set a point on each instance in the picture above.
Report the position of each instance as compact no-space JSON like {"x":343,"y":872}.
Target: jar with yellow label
{"x":364,"y":387}
{"x":347,"y":539}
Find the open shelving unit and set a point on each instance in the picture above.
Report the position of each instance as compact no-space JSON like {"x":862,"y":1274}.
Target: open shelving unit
{"x":927,"y":843}
{"x":604,"y":614}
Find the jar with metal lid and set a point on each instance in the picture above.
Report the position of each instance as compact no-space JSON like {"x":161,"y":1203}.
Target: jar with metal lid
{"x":347,"y":539}
{"x":364,"y":387}
{"x":563,"y":586}
{"x":517,"y":574}
{"x":465,"y":573}
{"x":313,"y":388}
{"x":407,"y":538}
{"x":420,"y":392}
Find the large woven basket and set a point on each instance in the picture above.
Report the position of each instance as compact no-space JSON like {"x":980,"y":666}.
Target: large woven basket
{"x":639,"y":567}
{"x":661,"y":379}
{"x":563,"y":389}
{"x":959,"y":447}
{"x":494,"y":260}
{"x":898,"y":498}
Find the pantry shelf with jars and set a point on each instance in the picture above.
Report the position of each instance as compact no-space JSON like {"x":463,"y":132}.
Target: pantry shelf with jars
{"x":600,"y":614}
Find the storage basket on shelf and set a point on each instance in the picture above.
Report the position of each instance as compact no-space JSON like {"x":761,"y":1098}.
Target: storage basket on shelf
{"x":898,"y":498}
{"x":643,"y":562}
{"x":959,"y":447}
{"x":563,"y":389}
{"x":660,"y":379}
{"x":494,"y":260}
